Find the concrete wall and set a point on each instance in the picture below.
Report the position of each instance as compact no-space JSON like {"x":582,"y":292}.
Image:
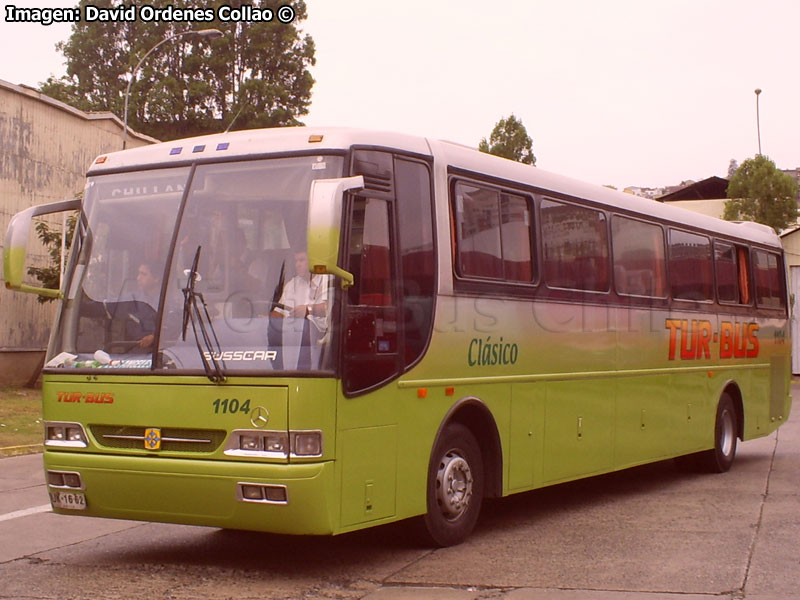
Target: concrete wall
{"x":45,"y":149}
{"x":712,"y":208}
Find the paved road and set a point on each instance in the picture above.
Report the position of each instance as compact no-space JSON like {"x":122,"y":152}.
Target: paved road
{"x":651,"y":533}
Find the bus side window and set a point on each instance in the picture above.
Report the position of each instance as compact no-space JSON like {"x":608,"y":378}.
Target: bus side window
{"x":769,"y":290}
{"x":639,"y":258}
{"x":575,"y":247}
{"x":690,"y":271}
{"x":417,"y":260}
{"x":733,"y":273}
{"x":493,"y":233}
{"x":725,"y":258}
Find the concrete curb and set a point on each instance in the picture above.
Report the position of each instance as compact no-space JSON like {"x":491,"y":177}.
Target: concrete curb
{"x":20,"y":450}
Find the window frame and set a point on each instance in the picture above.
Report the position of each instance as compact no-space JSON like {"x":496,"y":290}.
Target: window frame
{"x":664,"y":260}
{"x":477,"y":283}
{"x":609,"y":259}
{"x":709,"y":301}
{"x":781,"y":281}
{"x":737,"y":247}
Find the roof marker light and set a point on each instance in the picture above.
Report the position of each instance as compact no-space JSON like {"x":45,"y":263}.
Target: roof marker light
{"x":100,"y":160}
{"x":222,"y":146}
{"x":314,"y":138}
{"x":175,"y":151}
{"x":199,"y":148}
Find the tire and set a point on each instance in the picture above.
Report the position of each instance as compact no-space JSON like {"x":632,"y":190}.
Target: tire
{"x":726,"y":430}
{"x":455,"y":487}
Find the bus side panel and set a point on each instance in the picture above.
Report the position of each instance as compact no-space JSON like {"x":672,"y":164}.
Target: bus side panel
{"x":579,"y":429}
{"x":768,"y":403}
{"x":526,"y":435}
{"x":647,"y":420}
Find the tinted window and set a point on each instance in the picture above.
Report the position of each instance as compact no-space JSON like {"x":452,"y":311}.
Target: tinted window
{"x":493,"y":232}
{"x":370,"y":254}
{"x":575,"y":246}
{"x":639,"y":258}
{"x":727,"y":273}
{"x":417,"y":261}
{"x":769,"y":292}
{"x":690,"y":271}
{"x":733,"y":273}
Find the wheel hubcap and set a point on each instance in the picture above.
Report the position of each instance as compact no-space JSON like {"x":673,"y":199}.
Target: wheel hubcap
{"x":727,"y":435}
{"x":453,"y":485}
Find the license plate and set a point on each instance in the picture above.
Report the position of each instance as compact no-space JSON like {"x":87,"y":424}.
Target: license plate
{"x":68,"y":500}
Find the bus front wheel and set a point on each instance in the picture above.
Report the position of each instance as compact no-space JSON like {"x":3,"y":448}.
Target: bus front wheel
{"x":455,"y":486}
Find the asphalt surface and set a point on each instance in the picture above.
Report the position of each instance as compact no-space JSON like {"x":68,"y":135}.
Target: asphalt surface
{"x":650,"y":533}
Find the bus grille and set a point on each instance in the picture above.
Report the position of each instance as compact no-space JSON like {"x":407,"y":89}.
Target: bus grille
{"x":172,"y":439}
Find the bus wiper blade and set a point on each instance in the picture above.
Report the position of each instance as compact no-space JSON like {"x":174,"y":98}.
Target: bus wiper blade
{"x":276,"y":295}
{"x":191,"y":313}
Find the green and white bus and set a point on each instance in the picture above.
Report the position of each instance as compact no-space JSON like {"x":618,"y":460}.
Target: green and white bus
{"x":469,"y":327}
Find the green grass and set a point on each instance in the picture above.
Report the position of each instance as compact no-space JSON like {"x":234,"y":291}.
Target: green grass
{"x":20,"y":417}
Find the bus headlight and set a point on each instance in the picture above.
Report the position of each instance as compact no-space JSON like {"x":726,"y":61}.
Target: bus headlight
{"x":307,"y":443}
{"x":258,"y":443}
{"x":65,"y":435}
{"x":249,"y":442}
{"x":274,"y":444}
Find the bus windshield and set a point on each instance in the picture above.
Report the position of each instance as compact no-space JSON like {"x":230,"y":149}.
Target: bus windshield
{"x":198,"y":268}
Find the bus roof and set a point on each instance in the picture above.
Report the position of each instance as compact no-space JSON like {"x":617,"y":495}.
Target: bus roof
{"x":255,"y":142}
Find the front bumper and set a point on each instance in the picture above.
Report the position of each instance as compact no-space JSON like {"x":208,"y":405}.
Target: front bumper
{"x":202,"y":492}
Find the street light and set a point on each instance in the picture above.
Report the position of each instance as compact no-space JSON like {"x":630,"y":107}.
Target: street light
{"x":211,"y":34}
{"x":758,"y":121}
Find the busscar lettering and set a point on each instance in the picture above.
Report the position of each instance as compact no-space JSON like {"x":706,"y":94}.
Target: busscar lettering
{"x":242,"y":355}
{"x":691,"y":339}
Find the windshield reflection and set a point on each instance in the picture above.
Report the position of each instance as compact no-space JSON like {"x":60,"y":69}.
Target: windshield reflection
{"x":245,"y":222}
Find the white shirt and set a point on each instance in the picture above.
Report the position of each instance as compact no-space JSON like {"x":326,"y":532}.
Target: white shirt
{"x":300,"y":291}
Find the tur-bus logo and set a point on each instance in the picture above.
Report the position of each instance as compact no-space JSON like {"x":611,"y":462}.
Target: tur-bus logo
{"x":690,"y":340}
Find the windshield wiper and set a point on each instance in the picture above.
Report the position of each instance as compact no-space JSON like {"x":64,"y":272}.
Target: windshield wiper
{"x":276,"y":295}
{"x":191,"y":313}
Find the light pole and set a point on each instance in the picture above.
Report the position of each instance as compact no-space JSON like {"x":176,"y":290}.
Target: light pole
{"x":211,"y":34}
{"x":758,"y":121}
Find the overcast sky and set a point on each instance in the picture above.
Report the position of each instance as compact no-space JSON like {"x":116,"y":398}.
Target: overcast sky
{"x":621,"y":92}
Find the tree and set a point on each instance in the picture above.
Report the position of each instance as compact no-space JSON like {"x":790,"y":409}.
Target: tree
{"x":50,"y":276}
{"x":190,"y":86}
{"x":509,"y":139}
{"x":760,"y":192}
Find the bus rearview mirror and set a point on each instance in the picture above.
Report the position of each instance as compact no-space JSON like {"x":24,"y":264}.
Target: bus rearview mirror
{"x":15,"y":250}
{"x":325,"y":225}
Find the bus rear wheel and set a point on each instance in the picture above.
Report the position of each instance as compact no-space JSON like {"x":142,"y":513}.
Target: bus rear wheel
{"x":726,"y":430}
{"x":455,"y":486}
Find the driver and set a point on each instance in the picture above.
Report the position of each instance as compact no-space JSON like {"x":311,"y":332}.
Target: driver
{"x":305,"y":296}
{"x":142,"y":319}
